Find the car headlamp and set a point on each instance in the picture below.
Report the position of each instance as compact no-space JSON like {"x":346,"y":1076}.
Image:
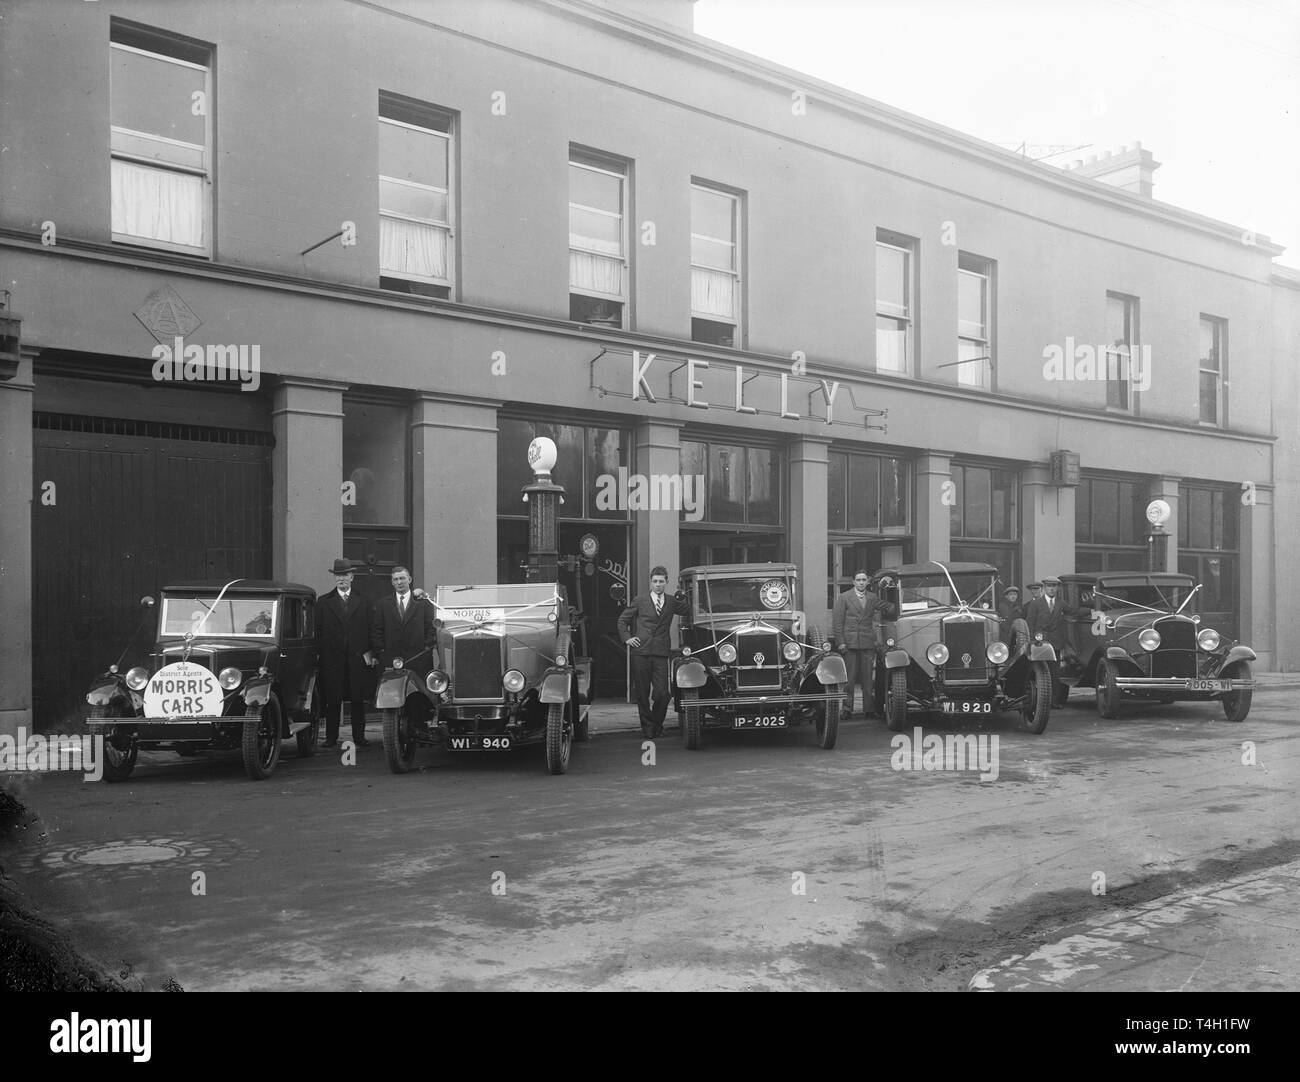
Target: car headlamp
{"x":792,"y":651}
{"x":726,"y":653}
{"x":1148,"y":638}
{"x":137,"y":678}
{"x":436,"y":682}
{"x":826,"y":646}
{"x":888,"y":642}
{"x":937,"y":653}
{"x":513,"y":680}
{"x":1208,"y":639}
{"x":230,"y":678}
{"x":686,"y":651}
{"x":397,"y":663}
{"x":560,"y":661}
{"x":997,"y":652}
{"x":1038,"y":636}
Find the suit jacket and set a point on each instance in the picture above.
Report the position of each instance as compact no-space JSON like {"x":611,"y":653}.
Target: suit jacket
{"x":414,"y":638}
{"x":342,"y":639}
{"x":639,"y":620}
{"x":1052,"y":623}
{"x":853,"y":620}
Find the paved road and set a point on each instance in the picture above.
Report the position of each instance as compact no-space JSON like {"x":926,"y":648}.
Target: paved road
{"x":684,"y":874}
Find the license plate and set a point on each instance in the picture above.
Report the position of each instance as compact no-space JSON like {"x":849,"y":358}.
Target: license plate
{"x":966,"y":706}
{"x":1209,"y":685}
{"x":759,"y":721}
{"x":478,"y":743}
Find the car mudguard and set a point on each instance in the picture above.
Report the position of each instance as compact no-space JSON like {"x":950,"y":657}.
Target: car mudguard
{"x":555,"y":686}
{"x":831,"y":670}
{"x":105,"y":691}
{"x":1238,"y":653}
{"x":1117,"y":653}
{"x":690,"y":674}
{"x":1042,"y":651}
{"x":897,"y":659}
{"x":257,"y":691}
{"x":394,"y":688}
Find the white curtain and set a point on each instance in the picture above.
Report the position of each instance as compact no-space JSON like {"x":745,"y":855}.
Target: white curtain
{"x":157,"y":204}
{"x":595,"y":274}
{"x":712,"y":293}
{"x":412,"y":248}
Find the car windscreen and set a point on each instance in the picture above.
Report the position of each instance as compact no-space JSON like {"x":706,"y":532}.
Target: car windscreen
{"x":919,"y":592}
{"x":511,"y":601}
{"x":229,"y":616}
{"x":1166,"y":596}
{"x":749,"y":593}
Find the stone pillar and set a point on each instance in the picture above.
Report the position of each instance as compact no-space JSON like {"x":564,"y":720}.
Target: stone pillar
{"x":933,"y":502}
{"x":453,"y":489}
{"x":1258,"y":578}
{"x":16,"y":549}
{"x":1046,"y":525}
{"x":1166,"y":488}
{"x":657,"y":450}
{"x":808,"y":493}
{"x":306,"y":479}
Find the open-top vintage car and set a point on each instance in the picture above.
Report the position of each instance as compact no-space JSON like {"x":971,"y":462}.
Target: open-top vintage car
{"x":1138,"y":637}
{"x":233,"y":666}
{"x":945,"y":652}
{"x":746,"y":662}
{"x":507,"y":678}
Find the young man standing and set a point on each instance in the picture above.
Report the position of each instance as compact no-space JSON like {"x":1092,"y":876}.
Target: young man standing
{"x":644,"y":627}
{"x":853,"y":630}
{"x":405,"y":626}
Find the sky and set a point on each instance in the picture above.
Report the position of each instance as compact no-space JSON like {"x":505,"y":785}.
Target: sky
{"x":1210,"y":87}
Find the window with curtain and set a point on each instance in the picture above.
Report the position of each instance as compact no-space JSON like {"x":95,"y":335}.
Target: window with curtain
{"x":715,"y":266}
{"x":415,"y":197}
{"x":1214,"y":341}
{"x":1122,"y":344}
{"x":894,"y":316}
{"x":160,"y":109}
{"x":974,"y":334}
{"x":597,"y":239}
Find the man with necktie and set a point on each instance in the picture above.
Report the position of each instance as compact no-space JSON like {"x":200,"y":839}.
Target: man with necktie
{"x":343,"y":651}
{"x":644,"y":627}
{"x":1049,"y":615}
{"x":406,"y":626}
{"x":853,"y":631}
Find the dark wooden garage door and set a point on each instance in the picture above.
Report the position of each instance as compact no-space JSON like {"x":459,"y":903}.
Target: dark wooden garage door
{"x":136,"y":504}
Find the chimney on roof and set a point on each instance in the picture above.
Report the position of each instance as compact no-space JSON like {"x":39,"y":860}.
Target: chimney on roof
{"x":1129,"y":168}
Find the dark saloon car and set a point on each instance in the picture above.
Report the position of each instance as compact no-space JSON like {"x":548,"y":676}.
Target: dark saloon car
{"x":1138,"y":637}
{"x":746,"y":662}
{"x":233,"y":666}
{"x":507,"y":677}
{"x":945,"y":652}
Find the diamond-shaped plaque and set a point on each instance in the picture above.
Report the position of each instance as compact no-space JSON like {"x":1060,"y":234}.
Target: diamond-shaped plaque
{"x":165,"y":315}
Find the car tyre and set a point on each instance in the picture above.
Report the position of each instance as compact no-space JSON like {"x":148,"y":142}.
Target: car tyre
{"x":559,"y":738}
{"x":1236,"y":704}
{"x":118,"y":763}
{"x":692,"y":724}
{"x":261,"y":743}
{"x":896,"y":700}
{"x":1108,"y":693}
{"x":309,"y":738}
{"x":1037,"y":707}
{"x":828,"y":723}
{"x":399,"y":740}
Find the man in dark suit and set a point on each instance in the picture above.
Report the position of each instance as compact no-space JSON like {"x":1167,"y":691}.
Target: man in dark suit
{"x":644,"y":627}
{"x":343,"y":652}
{"x":853,"y":632}
{"x":1049,"y":615}
{"x":405,"y":626}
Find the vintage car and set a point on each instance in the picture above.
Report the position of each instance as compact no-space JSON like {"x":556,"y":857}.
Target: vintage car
{"x":746,"y":661}
{"x":1137,"y":636}
{"x":506,"y":677}
{"x":233,"y":666}
{"x":945,"y":651}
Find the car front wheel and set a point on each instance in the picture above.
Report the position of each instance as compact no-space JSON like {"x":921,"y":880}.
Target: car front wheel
{"x":1108,"y":695}
{"x":559,"y":738}
{"x":1038,"y":698}
{"x":261,"y":744}
{"x":399,"y":740}
{"x":120,"y":752}
{"x":896,"y":700}
{"x":692,"y":726}
{"x":1236,"y":704}
{"x":828,"y":721}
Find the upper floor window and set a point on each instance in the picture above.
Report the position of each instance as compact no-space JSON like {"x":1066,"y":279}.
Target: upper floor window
{"x":715,"y":266}
{"x":895,"y":315}
{"x":598,"y":269}
{"x":1122,"y":338}
{"x":974,"y":322}
{"x":415,"y":198}
{"x":160,"y":114}
{"x":1214,"y":350}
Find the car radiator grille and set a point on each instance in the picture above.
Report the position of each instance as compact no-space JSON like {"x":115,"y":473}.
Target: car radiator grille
{"x":965,"y":637}
{"x":1176,"y":654}
{"x":762,"y":649}
{"x":476,"y":672}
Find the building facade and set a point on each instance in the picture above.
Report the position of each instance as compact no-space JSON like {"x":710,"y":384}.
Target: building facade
{"x":303,"y":280}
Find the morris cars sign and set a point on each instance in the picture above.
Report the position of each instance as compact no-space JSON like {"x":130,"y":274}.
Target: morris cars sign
{"x":182,"y":690}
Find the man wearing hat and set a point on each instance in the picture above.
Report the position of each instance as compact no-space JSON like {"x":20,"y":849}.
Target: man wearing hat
{"x":1048,"y":615}
{"x":1010,"y":614}
{"x":343,"y":653}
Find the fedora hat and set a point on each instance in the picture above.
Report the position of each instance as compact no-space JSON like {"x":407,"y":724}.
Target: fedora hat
{"x":341,"y":566}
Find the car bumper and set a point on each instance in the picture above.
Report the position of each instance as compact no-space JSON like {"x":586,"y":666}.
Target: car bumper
{"x":771,"y":700}
{"x":1183,"y":684}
